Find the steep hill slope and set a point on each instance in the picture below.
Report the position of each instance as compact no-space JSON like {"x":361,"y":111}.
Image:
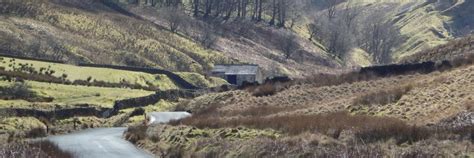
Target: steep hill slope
{"x":97,"y":32}
{"x":413,"y":114}
{"x":89,"y":32}
{"x":425,"y":23}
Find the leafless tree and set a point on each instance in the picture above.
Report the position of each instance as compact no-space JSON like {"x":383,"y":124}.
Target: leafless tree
{"x":313,"y":30}
{"x":350,"y":14}
{"x":174,"y":17}
{"x":288,"y":44}
{"x":207,"y":38}
{"x":332,"y":34}
{"x":331,"y":6}
{"x":380,"y":37}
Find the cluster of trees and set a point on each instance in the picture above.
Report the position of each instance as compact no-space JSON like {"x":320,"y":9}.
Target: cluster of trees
{"x":340,"y":29}
{"x":278,"y":11}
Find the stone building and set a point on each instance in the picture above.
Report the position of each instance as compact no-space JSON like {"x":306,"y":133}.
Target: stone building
{"x":238,"y":74}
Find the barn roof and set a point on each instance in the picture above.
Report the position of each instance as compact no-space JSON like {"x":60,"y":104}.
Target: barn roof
{"x":239,"y":69}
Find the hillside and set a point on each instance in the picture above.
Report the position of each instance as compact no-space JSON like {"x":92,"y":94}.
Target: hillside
{"x":89,"y":32}
{"x":97,"y":32}
{"x":345,"y":78}
{"x":425,"y":24}
{"x":451,"y":50}
{"x":410,"y":114}
{"x":114,"y":32}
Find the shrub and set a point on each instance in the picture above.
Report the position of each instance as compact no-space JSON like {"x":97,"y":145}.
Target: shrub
{"x":51,"y":149}
{"x":263,"y":90}
{"x":469,"y":105}
{"x":136,"y":133}
{"x":19,"y":90}
{"x":42,"y":148}
{"x":137,"y":112}
{"x":36,"y":133}
{"x":382,"y":97}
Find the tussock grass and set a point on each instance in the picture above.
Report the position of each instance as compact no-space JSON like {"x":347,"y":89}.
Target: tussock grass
{"x":136,"y":133}
{"x":367,"y":128}
{"x":42,"y":148}
{"x":382,"y":97}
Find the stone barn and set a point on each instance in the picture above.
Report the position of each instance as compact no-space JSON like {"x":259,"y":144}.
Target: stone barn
{"x":238,"y":74}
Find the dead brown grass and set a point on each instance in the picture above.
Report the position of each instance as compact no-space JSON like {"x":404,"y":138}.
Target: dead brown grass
{"x":469,"y":105}
{"x":266,"y":89}
{"x":42,"y":148}
{"x":382,"y":97}
{"x":367,"y":128}
{"x":136,"y":133}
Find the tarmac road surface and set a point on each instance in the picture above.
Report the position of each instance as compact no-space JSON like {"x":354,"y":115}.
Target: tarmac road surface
{"x":99,"y":143}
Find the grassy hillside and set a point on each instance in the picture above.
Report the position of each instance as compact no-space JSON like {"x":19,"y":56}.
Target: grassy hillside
{"x":99,"y":74}
{"x":90,"y":32}
{"x":454,"y":49}
{"x":409,"y":114}
{"x":425,"y":24}
{"x":77,"y":31}
{"x":251,"y":42}
{"x":69,"y":95}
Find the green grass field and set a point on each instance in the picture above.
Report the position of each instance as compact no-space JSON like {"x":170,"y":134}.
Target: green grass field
{"x":69,"y":95}
{"x":100,"y":74}
{"x":200,"y":81}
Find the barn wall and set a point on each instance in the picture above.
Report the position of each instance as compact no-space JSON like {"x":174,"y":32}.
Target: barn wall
{"x":245,"y":78}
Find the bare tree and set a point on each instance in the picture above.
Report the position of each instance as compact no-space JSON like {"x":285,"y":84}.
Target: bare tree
{"x":332,"y":34}
{"x":331,"y":8}
{"x":288,"y":45}
{"x":174,"y":17}
{"x":207,"y":38}
{"x":380,"y":37}
{"x":313,"y":30}
{"x":350,"y":14}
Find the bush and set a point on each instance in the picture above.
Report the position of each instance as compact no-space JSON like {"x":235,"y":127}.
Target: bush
{"x":19,"y":90}
{"x":36,"y":133}
{"x":136,"y":133}
{"x":267,"y":89}
{"x":137,"y":112}
{"x":51,"y":149}
{"x":382,"y":97}
{"x":42,"y":148}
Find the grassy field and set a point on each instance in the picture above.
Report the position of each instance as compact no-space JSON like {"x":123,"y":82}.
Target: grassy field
{"x":19,"y":123}
{"x":69,"y":95}
{"x":201,"y":81}
{"x":100,"y":74}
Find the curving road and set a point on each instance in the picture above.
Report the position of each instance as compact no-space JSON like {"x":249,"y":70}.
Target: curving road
{"x":99,"y":143}
{"x":108,"y":142}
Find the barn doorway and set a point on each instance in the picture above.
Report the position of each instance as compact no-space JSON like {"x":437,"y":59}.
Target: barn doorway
{"x":232,"y":79}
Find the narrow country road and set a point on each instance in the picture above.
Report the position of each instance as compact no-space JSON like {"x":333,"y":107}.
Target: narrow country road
{"x":108,"y":142}
{"x":99,"y":143}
